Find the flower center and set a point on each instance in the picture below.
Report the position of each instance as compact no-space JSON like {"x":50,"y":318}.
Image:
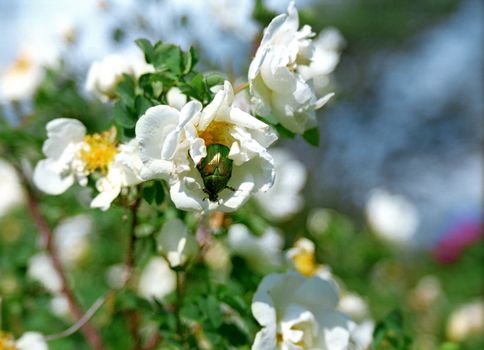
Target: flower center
{"x":305,"y":263}
{"x":99,"y":151}
{"x":217,"y":132}
{"x":21,"y":65}
{"x":7,"y":342}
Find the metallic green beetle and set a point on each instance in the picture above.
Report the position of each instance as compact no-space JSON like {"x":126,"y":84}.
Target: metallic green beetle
{"x":216,"y":170}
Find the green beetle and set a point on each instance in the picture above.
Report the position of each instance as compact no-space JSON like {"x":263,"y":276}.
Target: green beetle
{"x":216,"y":170}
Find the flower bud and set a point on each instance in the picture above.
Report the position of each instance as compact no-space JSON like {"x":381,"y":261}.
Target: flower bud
{"x":176,"y":244}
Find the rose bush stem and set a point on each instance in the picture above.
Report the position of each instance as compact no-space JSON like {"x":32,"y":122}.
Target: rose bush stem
{"x":132,"y":315}
{"x":90,"y":333}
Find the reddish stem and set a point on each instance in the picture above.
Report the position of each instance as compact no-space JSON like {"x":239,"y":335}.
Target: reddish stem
{"x":89,"y":332}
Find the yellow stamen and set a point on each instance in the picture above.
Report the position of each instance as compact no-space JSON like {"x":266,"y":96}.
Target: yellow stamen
{"x":216,"y":133}
{"x":7,"y":342}
{"x":21,"y":65}
{"x":99,"y":151}
{"x":305,"y":263}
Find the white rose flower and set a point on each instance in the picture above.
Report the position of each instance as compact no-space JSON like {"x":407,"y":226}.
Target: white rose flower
{"x":283,"y":72}
{"x":466,"y":320}
{"x":392,"y":217}
{"x":362,"y":327}
{"x":156,"y":280}
{"x":124,"y":171}
{"x":59,"y":305}
{"x":262,"y":253}
{"x":115,"y":276}
{"x":284,"y":200}
{"x":10,"y":188}
{"x":20,"y":80}
{"x":172,"y":144}
{"x":361,"y":335}
{"x":32,"y":341}
{"x":73,"y":155}
{"x":63,"y":165}
{"x":297,"y":312}
{"x":176,"y":244}
{"x":41,"y":269}
{"x":301,"y":258}
{"x":104,"y":75}
{"x":354,"y":306}
{"x":71,"y":238}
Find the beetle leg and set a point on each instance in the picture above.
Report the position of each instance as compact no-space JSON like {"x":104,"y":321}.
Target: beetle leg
{"x":231,"y":188}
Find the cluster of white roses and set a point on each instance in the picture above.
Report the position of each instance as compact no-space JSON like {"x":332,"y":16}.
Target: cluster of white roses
{"x":175,"y":143}
{"x":171,"y":140}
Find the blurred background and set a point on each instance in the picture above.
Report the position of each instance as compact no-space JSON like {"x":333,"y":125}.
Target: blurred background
{"x":399,"y":172}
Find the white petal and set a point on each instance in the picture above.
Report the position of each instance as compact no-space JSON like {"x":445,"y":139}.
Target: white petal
{"x":278,"y":77}
{"x":323,"y":100}
{"x":189,"y":112}
{"x":244,"y":119}
{"x":187,"y":194}
{"x":176,"y":98}
{"x":265,"y":339}
{"x":156,"y":280}
{"x":108,"y":191}
{"x":263,"y":307}
{"x":31,"y":341}
{"x":60,"y":133}
{"x":48,"y":179}
{"x":152,"y":130}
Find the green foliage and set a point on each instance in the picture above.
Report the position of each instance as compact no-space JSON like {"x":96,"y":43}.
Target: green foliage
{"x":389,"y":333}
{"x":262,"y":14}
{"x":312,"y":136}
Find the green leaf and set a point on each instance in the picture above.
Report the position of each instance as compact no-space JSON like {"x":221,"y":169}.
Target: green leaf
{"x":191,"y":311}
{"x":142,"y":104}
{"x":312,"y":136}
{"x":148,"y":193}
{"x":160,"y":193}
{"x":284,"y":132}
{"x":449,"y":346}
{"x":122,"y":117}
{"x":126,"y":90}
{"x":211,"y":309}
{"x":214,"y":79}
{"x":190,"y":59}
{"x":262,"y":14}
{"x":389,"y":333}
{"x":147,"y":49}
{"x":169,"y":57}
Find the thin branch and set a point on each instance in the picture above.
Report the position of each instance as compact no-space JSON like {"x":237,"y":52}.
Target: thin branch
{"x":89,"y":332}
{"x":83,"y":320}
{"x":133,"y":317}
{"x":240,"y":88}
{"x":104,"y":298}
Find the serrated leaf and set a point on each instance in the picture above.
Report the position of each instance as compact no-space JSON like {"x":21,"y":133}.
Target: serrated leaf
{"x":312,"y":136}
{"x":169,"y":57}
{"x":147,"y":49}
